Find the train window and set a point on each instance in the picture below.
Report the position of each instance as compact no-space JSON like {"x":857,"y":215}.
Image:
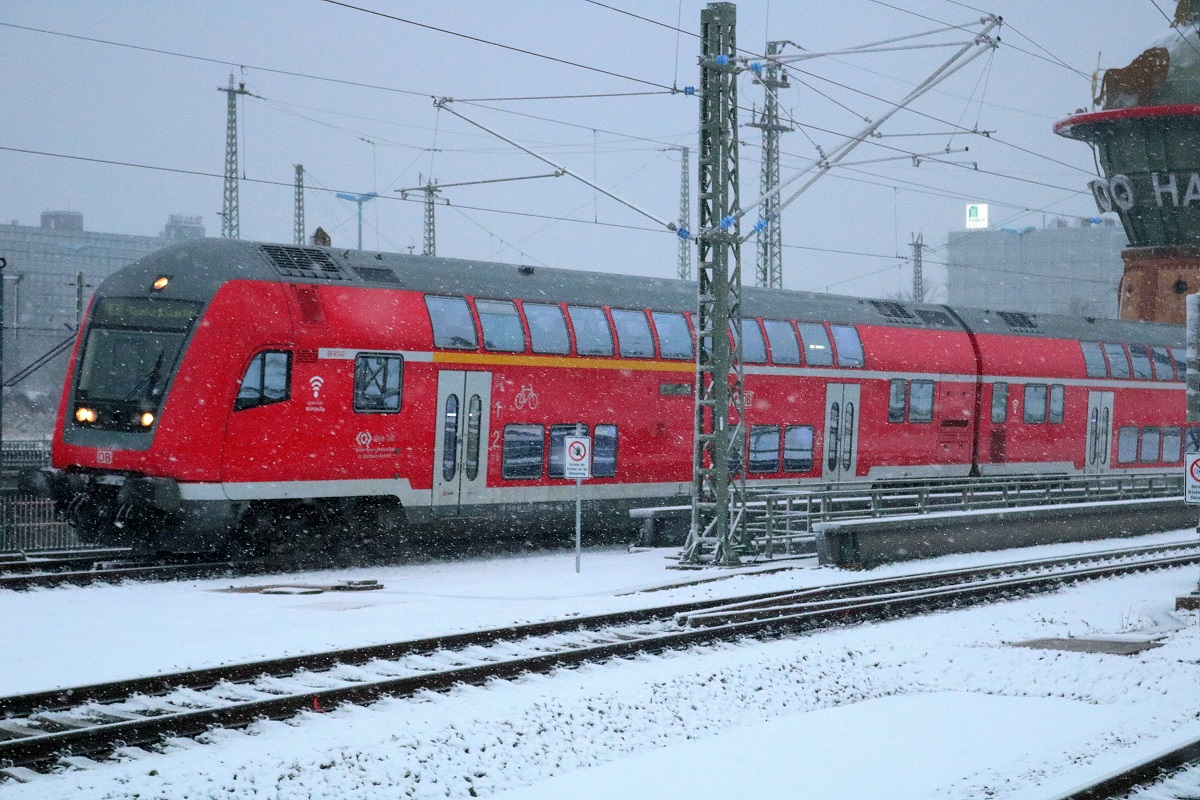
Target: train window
{"x":604,"y":452}
{"x":798,"y":448}
{"x":1093,"y":360}
{"x":377,"y":381}
{"x":764,"y":448}
{"x":849,"y":346}
{"x":1163,"y":369}
{"x":674,"y":337}
{"x":754,"y":349}
{"x":1192,"y":442}
{"x":782,"y":336}
{"x":1179,"y":356}
{"x":1141,"y":362}
{"x":1151,"y":450}
{"x":817,"y":350}
{"x":1057,"y":403}
{"x":474,"y":423}
{"x":453,"y":327}
{"x":897,"y":400}
{"x":1118,"y":362}
{"x":737,"y":451}
{"x":268,"y":380}
{"x":547,"y":329}
{"x":833,"y":431}
{"x":593,"y":337}
{"x":999,"y":403}
{"x":502,"y":328}
{"x":521,"y":455}
{"x":1035,"y":403}
{"x":633,"y":334}
{"x":1172,"y":443}
{"x":558,"y":436}
{"x":450,"y":438}
{"x":1127,"y":445}
{"x":920,"y":401}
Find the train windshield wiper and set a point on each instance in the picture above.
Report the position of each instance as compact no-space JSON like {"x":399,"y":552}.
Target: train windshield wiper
{"x":148,"y":383}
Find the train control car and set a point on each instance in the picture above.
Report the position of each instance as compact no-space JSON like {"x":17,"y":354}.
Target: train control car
{"x":231,"y":394}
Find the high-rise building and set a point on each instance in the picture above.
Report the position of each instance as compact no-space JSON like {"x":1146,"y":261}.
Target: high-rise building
{"x":1059,"y":269}
{"x":52,"y":270}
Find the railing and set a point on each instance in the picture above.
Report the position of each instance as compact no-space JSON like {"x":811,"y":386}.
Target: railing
{"x":30,"y":522}
{"x":780,"y":520}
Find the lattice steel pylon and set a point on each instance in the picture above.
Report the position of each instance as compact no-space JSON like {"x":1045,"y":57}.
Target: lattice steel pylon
{"x":718,"y":478}
{"x":772,"y":77}
{"x":298,"y":226}
{"x":230,"y":224}
{"x":918,"y":248}
{"x":431,"y":191}
{"x":685,"y":214}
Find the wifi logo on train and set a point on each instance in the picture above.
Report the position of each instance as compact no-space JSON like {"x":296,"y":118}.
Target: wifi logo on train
{"x":316,"y":382}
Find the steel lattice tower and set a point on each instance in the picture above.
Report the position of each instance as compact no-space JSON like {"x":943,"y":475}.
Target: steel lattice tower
{"x":230,"y":225}
{"x":685,"y":213}
{"x":772,"y":77}
{"x":430,"y":222}
{"x":918,"y":248}
{"x":718,"y":527}
{"x":299,"y":208}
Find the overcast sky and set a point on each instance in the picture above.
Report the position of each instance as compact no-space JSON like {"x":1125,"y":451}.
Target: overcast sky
{"x":85,"y":99}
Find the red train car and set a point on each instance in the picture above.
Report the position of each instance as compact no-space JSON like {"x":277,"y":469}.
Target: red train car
{"x":233,"y":393}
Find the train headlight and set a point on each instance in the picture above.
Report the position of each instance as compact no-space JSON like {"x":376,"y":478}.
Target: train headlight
{"x":85,"y":415}
{"x":160,"y":283}
{"x":147,"y":419}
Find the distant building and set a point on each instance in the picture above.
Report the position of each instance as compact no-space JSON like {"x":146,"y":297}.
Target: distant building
{"x":1060,"y":269}
{"x":52,"y":271}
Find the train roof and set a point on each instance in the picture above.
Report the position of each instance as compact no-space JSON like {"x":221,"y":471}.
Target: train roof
{"x":205,"y":264}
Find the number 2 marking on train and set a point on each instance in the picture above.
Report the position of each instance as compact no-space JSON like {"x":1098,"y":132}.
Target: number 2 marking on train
{"x":495,"y":440}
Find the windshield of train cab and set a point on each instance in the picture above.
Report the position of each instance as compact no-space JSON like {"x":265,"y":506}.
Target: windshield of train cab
{"x":132,"y":346}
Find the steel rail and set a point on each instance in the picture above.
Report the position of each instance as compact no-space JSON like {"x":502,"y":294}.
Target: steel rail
{"x":91,"y":721}
{"x":1145,"y":773}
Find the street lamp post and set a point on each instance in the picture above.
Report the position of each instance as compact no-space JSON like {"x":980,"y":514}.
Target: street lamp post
{"x":360,"y":199}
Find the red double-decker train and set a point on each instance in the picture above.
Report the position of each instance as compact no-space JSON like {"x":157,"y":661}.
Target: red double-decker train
{"x":228,"y":393}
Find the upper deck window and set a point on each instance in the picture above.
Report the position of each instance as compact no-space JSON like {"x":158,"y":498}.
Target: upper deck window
{"x":453,"y":327}
{"x":782,"y":337}
{"x":674,"y":338}
{"x":502,"y":329}
{"x":849,"y":346}
{"x":593,"y":337}
{"x":633,"y":333}
{"x":1141,"y":362}
{"x":754,"y":349}
{"x":547,"y":329}
{"x":817,"y":350}
{"x":1093,"y":360}
{"x":1118,"y":362}
{"x":1164,"y":370}
{"x":1179,"y":356}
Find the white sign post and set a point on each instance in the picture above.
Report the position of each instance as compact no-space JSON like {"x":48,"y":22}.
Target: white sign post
{"x":577,"y":465}
{"x":1192,"y":480}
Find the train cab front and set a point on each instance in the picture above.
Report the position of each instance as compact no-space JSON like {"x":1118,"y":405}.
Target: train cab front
{"x":120,"y":413}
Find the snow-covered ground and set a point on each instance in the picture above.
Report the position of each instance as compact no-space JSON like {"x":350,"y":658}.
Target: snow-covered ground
{"x":934,"y":707}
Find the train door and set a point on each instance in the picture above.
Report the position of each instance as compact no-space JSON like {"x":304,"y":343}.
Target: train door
{"x":1099,"y":432}
{"x":840,"y":462}
{"x":460,"y":451}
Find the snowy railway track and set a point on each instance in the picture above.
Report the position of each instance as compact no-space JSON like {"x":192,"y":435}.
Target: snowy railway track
{"x":41,"y":730}
{"x":1174,"y":773}
{"x":84,"y":569}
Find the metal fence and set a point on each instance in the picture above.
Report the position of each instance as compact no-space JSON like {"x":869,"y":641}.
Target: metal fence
{"x":781,"y":520}
{"x":30,"y":522}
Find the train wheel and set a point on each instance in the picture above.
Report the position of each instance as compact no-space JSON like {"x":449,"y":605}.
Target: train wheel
{"x":254,"y":534}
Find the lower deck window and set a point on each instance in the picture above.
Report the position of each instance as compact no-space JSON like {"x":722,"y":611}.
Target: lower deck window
{"x":1127,"y":445}
{"x":523,"y":450}
{"x":1151,"y":450}
{"x":604,"y":452}
{"x":920,"y":401}
{"x":798,"y":448}
{"x":1172,"y":442}
{"x":558,"y":439}
{"x":1035,"y":403}
{"x":764,"y":448}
